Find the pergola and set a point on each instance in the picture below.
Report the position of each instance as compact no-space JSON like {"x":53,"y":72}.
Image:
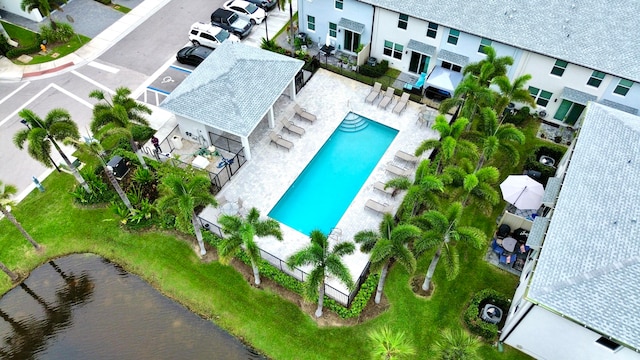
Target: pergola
{"x":232,"y":90}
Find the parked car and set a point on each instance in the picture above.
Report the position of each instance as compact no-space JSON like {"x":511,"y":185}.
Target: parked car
{"x":193,"y":55}
{"x":209,"y":35}
{"x":244,"y":8}
{"x":232,"y":22}
{"x":266,"y":5}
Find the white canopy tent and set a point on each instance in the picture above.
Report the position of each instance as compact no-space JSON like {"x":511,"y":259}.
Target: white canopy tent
{"x":444,"y":79}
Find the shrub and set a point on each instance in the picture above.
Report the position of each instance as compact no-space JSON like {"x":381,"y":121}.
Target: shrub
{"x":100,"y":192}
{"x":29,"y":49}
{"x":472,"y":315}
{"x":62,"y":33}
{"x":552,"y":150}
{"x":141,"y":133}
{"x":375,"y":71}
{"x":105,"y":2}
{"x":4,"y":45}
{"x":519,"y":117}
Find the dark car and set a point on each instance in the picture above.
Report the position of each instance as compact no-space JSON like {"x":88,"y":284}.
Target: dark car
{"x":267,"y":5}
{"x":193,"y":55}
{"x":232,"y":22}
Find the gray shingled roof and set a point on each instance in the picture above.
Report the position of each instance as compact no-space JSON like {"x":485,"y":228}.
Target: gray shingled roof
{"x":619,"y":106}
{"x":421,"y":47}
{"x":537,"y":232}
{"x":233,"y":88}
{"x":351,"y":25}
{"x":551,"y":191}
{"x":577,"y":96}
{"x":594,"y":33}
{"x":589,"y":265}
{"x":453,"y":57}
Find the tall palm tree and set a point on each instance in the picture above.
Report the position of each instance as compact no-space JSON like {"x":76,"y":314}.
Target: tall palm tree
{"x":325,"y":262}
{"x":9,"y":273}
{"x":388,"y":345}
{"x":450,"y":143}
{"x":281,"y":6}
{"x":423,"y":193}
{"x":182,"y":195}
{"x":241,"y":234}
{"x":116,"y":117}
{"x":389,"y":243}
{"x":93,"y":147}
{"x":470,"y":95}
{"x":456,"y":345}
{"x":442,"y":230}
{"x":474,"y":184}
{"x":40,"y":133}
{"x":512,"y":92}
{"x":492,"y":65}
{"x":498,"y":137}
{"x":6,"y":192}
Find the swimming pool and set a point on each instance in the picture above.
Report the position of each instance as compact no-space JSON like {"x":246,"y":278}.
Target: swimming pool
{"x":321,"y":194}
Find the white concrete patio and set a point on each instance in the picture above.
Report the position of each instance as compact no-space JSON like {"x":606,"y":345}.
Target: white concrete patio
{"x":262,"y":181}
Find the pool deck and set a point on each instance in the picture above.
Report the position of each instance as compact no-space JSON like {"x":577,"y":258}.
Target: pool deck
{"x":266,"y":177}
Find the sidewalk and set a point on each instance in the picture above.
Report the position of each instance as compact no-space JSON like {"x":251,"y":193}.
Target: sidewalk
{"x":106,"y":26}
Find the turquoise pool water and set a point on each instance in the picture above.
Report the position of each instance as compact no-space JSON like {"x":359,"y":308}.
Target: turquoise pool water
{"x":323,"y":191}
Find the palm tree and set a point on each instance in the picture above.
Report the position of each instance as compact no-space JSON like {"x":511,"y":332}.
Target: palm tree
{"x":456,"y":345}
{"x":325,"y":262}
{"x":38,"y":136}
{"x":498,"y":137}
{"x":182,"y":195}
{"x":470,"y":95}
{"x":9,"y":273}
{"x":6,"y":192}
{"x":281,"y":6}
{"x":423,"y":193}
{"x":512,"y":91}
{"x":492,"y":66}
{"x":386,"y":245}
{"x":474,"y":184}
{"x":116,"y":118}
{"x":93,"y":147}
{"x":241,"y":234}
{"x":450,"y":143}
{"x":443,"y":230}
{"x":388,"y":345}
{"x":41,"y":5}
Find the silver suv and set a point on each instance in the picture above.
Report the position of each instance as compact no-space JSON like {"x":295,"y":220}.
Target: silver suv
{"x":209,"y":35}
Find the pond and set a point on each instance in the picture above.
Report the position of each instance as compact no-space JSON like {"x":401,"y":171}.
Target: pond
{"x":84,"y":307}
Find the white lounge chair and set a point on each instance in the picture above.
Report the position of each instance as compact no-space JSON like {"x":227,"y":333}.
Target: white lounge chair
{"x":375,"y":91}
{"x":402,"y":103}
{"x":304,"y":114}
{"x":388,"y":97}
{"x":291,"y":127}
{"x":407,"y":157}
{"x":379,"y":185}
{"x":396,"y":170}
{"x":377,"y":207}
{"x":279,"y":141}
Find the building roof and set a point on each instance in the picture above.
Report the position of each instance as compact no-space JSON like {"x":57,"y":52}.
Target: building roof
{"x":589,"y":265}
{"x":233,"y":88}
{"x":593,"y":33}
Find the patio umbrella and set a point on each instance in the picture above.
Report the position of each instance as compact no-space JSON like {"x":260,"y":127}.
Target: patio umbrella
{"x":522,"y":191}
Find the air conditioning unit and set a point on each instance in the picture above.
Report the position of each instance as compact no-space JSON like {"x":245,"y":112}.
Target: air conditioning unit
{"x":511,"y":106}
{"x":542,"y":114}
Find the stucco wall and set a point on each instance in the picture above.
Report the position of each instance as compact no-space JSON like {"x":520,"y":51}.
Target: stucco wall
{"x":13,"y":6}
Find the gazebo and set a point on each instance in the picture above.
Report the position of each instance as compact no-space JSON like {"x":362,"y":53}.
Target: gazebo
{"x":231,"y":91}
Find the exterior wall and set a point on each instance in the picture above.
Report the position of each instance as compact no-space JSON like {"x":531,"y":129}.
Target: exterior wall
{"x":193,"y":131}
{"x":545,"y":335}
{"x":325,"y":12}
{"x":13,"y":6}
{"x":632,"y":98}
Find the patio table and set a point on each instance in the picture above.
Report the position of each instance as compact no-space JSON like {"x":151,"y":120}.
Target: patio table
{"x":509,"y":244}
{"x":230,"y":208}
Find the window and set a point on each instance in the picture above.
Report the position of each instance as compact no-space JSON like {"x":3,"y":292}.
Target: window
{"x":541,"y":97}
{"x":452,"y":67}
{"x":392,"y":49}
{"x":333,"y":30}
{"x":403,"y":21}
{"x":484,"y":43}
{"x":453,"y":36}
{"x":608,"y":343}
{"x":596,"y":79}
{"x":623,"y":87}
{"x":311,"y":22}
{"x":339,"y":4}
{"x":559,"y":67}
{"x":432,"y":30}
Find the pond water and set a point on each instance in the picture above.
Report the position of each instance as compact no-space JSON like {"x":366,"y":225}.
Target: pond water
{"x":84,"y":307}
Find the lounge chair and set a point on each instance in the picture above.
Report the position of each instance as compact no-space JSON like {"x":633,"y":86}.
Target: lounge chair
{"x":407,"y":157}
{"x":396,"y":170}
{"x":402,"y":103}
{"x":379,"y":185}
{"x":304,"y":114}
{"x":386,"y":100}
{"x":377,"y":207}
{"x":291,"y":127}
{"x":375,"y":91}
{"x":279,"y":141}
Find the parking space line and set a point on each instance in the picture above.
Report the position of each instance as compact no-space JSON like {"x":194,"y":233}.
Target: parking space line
{"x":73,"y":96}
{"x":181,"y":69}
{"x":91,"y":81}
{"x":33,"y":98}
{"x":158,"y":90}
{"x":104,"y":67}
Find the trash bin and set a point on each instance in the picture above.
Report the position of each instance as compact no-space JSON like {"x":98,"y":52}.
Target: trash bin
{"x":177,"y":142}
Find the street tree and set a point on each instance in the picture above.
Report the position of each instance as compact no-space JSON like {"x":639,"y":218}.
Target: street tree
{"x":6,"y":193}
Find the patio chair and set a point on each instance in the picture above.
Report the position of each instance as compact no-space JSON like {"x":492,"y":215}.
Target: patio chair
{"x":402,"y":103}
{"x":279,"y":141}
{"x":291,"y":127}
{"x":379,"y":185}
{"x":377,"y":207}
{"x":373,"y":94}
{"x":396,"y":170}
{"x":388,"y":97}
{"x":507,"y":258}
{"x":304,"y":114}
{"x":412,"y":159}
